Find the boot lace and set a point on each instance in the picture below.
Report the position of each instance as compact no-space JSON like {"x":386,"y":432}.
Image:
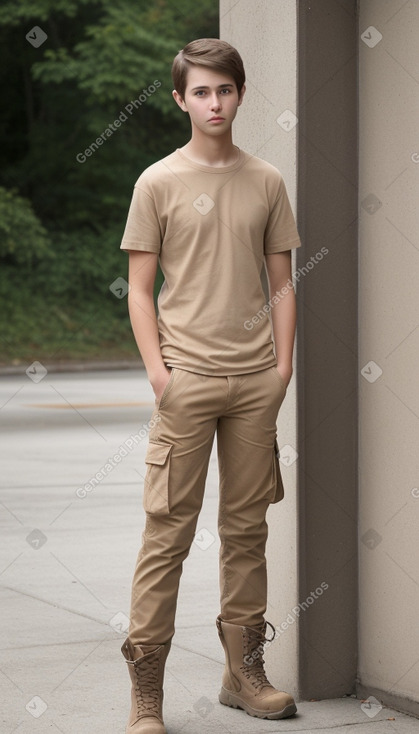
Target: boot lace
{"x":253,"y":663}
{"x":147,"y":688}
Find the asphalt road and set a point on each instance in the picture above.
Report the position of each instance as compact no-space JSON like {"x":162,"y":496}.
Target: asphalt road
{"x":67,"y":555}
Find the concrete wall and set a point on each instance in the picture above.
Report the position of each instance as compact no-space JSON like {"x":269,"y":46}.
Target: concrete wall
{"x":327,"y":345}
{"x":348,"y":70}
{"x":313,"y":532}
{"x":266,"y":35}
{"x":388,"y":351}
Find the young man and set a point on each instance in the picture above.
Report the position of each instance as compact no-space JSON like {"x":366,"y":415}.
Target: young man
{"x":218,"y":363}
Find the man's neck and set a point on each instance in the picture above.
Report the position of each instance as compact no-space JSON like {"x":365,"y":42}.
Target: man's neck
{"x":211,"y":151}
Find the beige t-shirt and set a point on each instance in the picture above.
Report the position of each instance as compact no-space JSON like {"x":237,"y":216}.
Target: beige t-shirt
{"x":211,"y":228}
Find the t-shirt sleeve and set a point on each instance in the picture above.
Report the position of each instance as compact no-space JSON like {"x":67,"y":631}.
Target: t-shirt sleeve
{"x":281,"y":232}
{"x":142,"y":230}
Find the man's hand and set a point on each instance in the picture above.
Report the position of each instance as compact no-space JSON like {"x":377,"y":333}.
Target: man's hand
{"x":159,"y":381}
{"x":285,"y":370}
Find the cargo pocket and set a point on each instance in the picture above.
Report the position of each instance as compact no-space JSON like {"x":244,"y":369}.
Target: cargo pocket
{"x":156,"y":483}
{"x":278,"y":493}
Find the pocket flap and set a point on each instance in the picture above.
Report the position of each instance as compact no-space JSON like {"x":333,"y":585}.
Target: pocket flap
{"x":157,"y":453}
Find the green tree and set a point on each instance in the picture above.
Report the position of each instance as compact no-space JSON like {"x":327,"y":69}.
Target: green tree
{"x":61,"y":219}
{"x":23,"y":239}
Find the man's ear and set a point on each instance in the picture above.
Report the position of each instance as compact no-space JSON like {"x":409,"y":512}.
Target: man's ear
{"x":243,"y":89}
{"x":178,"y":99}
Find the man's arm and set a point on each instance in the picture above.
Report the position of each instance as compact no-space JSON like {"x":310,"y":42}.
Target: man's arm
{"x":283,"y":313}
{"x":141,"y":276}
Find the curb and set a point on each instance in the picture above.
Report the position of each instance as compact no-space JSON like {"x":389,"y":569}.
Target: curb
{"x":77,"y":366}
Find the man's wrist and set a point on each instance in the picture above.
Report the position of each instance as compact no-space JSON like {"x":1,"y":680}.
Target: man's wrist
{"x":157,"y":371}
{"x":285,"y":370}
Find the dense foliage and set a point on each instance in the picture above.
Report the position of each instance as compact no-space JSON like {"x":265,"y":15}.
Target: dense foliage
{"x":88,"y":108}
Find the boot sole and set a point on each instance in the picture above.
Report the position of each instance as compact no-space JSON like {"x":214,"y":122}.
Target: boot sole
{"x":230,"y":699}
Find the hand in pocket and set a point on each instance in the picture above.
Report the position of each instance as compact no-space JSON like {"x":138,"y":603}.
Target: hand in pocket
{"x":160,"y":385}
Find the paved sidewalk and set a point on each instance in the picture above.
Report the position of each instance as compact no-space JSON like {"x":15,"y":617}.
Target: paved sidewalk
{"x":66,"y":563}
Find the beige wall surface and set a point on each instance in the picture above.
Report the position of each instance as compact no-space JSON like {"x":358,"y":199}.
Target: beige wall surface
{"x":389,"y":347}
{"x":265,"y":34}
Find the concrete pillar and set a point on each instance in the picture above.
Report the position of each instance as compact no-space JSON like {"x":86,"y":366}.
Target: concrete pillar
{"x":327,"y":345}
{"x":352,"y":412}
{"x":265,"y":33}
{"x":301,"y":63}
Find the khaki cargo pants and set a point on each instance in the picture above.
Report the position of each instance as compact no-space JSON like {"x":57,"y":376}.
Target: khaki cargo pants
{"x":242,"y":409}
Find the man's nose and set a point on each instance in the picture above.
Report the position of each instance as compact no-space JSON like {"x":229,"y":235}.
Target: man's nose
{"x":215,"y":102}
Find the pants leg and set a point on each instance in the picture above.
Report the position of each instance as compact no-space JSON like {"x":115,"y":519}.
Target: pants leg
{"x":184,"y":436}
{"x":246,"y":455}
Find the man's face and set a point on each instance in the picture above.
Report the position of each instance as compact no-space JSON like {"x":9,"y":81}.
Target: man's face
{"x":211,"y":99}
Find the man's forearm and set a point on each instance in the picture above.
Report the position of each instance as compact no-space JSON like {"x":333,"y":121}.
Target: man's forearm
{"x":144,"y":325}
{"x":284,"y":318}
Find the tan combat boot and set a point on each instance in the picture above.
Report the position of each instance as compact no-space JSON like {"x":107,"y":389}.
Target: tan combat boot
{"x":146,"y":668}
{"x":244,"y":683}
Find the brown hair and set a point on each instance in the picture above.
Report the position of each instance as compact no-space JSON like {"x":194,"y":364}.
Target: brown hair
{"x":212,"y":53}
